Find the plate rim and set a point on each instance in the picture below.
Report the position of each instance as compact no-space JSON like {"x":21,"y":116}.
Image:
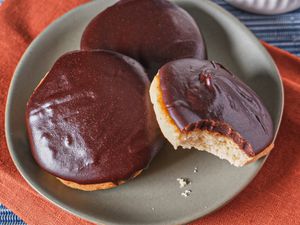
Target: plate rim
{"x":76,"y":212}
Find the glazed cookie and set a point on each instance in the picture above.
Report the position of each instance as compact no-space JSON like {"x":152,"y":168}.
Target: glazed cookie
{"x":201,"y":104}
{"x":151,"y":31}
{"x":90,"y":121}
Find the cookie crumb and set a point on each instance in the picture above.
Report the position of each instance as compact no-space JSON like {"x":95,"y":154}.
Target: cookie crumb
{"x":195,"y":170}
{"x":183,"y":182}
{"x":186,"y":193}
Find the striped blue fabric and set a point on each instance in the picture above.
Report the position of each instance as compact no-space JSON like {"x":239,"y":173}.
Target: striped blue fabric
{"x":9,"y":218}
{"x":282,"y":31}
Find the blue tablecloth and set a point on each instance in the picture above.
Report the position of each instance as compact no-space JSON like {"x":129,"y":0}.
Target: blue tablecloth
{"x":282,"y":31}
{"x":9,"y":218}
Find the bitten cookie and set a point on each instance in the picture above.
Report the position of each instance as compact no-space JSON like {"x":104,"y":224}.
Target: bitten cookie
{"x":153,"y":32}
{"x":90,"y":121}
{"x":201,"y":104}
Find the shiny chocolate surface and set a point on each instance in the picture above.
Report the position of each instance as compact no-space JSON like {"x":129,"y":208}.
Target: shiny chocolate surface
{"x":90,"y":119}
{"x":151,"y":31}
{"x":205,"y":95}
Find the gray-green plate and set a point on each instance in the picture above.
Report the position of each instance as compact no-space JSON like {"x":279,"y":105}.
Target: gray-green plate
{"x":153,"y":197}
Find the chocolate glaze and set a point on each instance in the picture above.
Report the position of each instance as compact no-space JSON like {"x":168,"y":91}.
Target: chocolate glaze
{"x":205,"y":95}
{"x":151,"y":31}
{"x":90,"y":120}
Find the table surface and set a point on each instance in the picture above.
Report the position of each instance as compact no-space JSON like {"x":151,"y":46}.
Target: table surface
{"x":282,"y":31}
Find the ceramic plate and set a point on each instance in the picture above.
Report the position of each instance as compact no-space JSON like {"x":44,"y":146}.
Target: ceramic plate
{"x":155,"y":196}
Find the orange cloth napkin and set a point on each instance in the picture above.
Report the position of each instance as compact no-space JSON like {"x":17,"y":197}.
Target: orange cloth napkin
{"x":273,"y":198}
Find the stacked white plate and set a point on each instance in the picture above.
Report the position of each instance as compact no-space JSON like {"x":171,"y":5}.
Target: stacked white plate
{"x":268,"y":7}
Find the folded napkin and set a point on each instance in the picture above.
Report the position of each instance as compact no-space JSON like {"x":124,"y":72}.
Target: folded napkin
{"x":272,"y":198}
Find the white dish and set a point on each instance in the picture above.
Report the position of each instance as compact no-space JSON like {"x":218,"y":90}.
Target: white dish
{"x":267,"y":7}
